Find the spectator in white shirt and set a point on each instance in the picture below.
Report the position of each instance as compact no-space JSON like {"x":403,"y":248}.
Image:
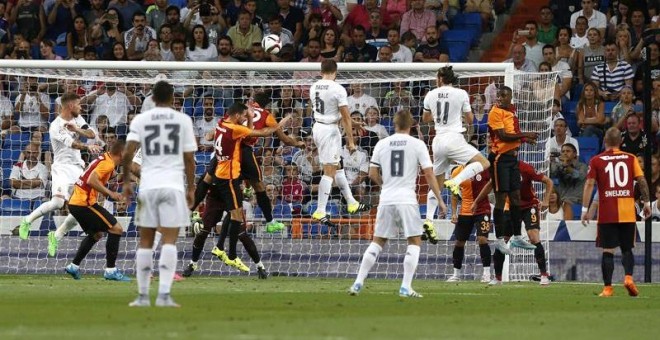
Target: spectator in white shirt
{"x":136,"y":38}
{"x":533,"y":49}
{"x":372,"y":118}
{"x":33,"y":107}
{"x":579,"y":38}
{"x":206,"y":125}
{"x":554,"y":144}
{"x":7,"y":114}
{"x":199,"y":48}
{"x":565,"y":73}
{"x":400,"y":53}
{"x":29,"y":177}
{"x":360,"y":101}
{"x":595,"y":18}
{"x":108,"y":101}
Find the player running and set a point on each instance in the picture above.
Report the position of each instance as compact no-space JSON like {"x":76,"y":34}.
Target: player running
{"x":330,"y":105}
{"x":168,"y":145}
{"x":394,"y":166}
{"x":531,"y":216}
{"x":67,"y":163}
{"x":93,"y":218}
{"x":614,"y":173}
{"x":472,"y":215}
{"x":448,"y":107}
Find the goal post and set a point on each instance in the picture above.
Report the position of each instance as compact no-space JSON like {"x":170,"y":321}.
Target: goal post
{"x":305,"y":248}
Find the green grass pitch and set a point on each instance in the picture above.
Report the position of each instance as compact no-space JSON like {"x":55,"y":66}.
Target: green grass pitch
{"x":57,"y":307}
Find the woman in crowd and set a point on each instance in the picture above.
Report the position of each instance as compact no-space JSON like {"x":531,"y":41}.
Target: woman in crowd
{"x":590,"y":112}
{"x":78,"y":38}
{"x":330,"y":47}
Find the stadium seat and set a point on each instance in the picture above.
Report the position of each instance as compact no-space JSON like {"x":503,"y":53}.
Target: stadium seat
{"x":15,"y":207}
{"x":61,"y":51}
{"x":203,"y":157}
{"x":458,"y":43}
{"x":188,"y":106}
{"x":9,"y":155}
{"x":200,"y":169}
{"x":469,"y":21}
{"x":576,"y":91}
{"x":45,"y":142}
{"x":16,"y":141}
{"x":577,"y":210}
{"x":608,"y":108}
{"x":589,"y":147}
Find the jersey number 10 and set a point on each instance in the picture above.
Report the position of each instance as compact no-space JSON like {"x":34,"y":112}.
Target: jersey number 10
{"x":618,"y":174}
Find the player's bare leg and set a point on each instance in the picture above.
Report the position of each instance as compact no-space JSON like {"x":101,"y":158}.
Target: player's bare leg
{"x":368,"y":260}
{"x":54,"y":237}
{"x":539,"y":255}
{"x":477,"y":164}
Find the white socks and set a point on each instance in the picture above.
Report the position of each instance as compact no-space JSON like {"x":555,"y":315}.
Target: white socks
{"x":457,"y":272}
{"x":431,"y":205}
{"x":486,"y":270}
{"x":368,"y":260}
{"x":46,"y":207}
{"x":468,"y":172}
{"x":66,"y":226}
{"x":157,"y":238}
{"x":166,"y":268}
{"x":143,"y":264}
{"x":260,"y":265}
{"x":344,"y":186}
{"x":325,"y":186}
{"x":410,"y":265}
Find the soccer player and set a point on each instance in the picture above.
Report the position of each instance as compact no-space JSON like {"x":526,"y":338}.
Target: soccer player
{"x":330,"y":105}
{"x":93,"y":218}
{"x":614,"y":173}
{"x":448,"y":107}
{"x":227,"y":194}
{"x":531,"y":217}
{"x":394,"y":166}
{"x":168,"y":158}
{"x":473,"y":214}
{"x":67,"y":163}
{"x":505,"y":139}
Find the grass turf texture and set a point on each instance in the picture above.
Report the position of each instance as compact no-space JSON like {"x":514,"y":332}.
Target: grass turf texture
{"x":57,"y":307}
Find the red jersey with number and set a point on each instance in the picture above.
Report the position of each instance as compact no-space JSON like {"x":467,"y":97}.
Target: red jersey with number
{"x":470,"y":189}
{"x":83,"y":193}
{"x":528,"y":175}
{"x":614,"y":172}
{"x":262,"y":118}
{"x":228,"y":138}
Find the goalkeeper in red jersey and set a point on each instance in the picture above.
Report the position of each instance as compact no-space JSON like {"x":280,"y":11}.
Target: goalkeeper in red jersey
{"x":530,"y":207}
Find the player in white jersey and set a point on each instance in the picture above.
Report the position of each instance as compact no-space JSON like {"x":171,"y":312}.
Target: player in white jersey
{"x":447,"y":106}
{"x":394,"y":166}
{"x":67,"y":162}
{"x":330,"y":105}
{"x":168,"y":157}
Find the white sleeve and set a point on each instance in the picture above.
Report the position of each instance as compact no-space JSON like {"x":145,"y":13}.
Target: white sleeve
{"x":15,"y":172}
{"x":576,"y":144}
{"x":574,"y":17}
{"x":134,"y":130}
{"x":190,"y":143}
{"x":43,"y":174}
{"x":375,"y":157}
{"x":56,"y":134}
{"x":373,"y":102}
{"x":137,"y":158}
{"x":45,"y":99}
{"x":364,"y":162}
{"x":466,"y":103}
{"x":427,"y":105}
{"x":423,"y":155}
{"x":342,"y":96}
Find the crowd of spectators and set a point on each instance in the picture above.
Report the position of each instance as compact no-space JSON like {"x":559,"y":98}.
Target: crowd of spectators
{"x":597,"y":52}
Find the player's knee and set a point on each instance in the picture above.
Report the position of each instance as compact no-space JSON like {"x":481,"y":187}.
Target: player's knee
{"x":117,"y":229}
{"x":258,"y":186}
{"x":57,"y":202}
{"x":482,"y":240}
{"x":97,"y":236}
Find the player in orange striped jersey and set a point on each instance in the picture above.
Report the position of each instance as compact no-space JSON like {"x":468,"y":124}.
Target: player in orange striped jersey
{"x":614,"y":173}
{"x":93,"y":218}
{"x":469,"y":217}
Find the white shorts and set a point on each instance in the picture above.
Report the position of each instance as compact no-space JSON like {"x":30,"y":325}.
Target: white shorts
{"x":450,"y":147}
{"x":392,"y":218}
{"x":161,"y":207}
{"x":64,"y":177}
{"x":327,"y":138}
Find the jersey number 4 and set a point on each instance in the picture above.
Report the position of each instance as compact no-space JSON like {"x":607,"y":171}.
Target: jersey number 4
{"x":442,"y":111}
{"x":154,"y":148}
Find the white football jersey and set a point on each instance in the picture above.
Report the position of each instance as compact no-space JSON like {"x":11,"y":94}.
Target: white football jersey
{"x":137,"y":158}
{"x":327,"y":97}
{"x":61,"y":140}
{"x":398,"y":157}
{"x":164,"y":135}
{"x":447,"y":104}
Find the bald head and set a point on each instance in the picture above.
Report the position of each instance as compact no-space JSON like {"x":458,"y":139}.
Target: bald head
{"x":612,"y":138}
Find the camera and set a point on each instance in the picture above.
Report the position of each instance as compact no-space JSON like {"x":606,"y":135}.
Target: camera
{"x":554,"y":154}
{"x":204,"y":8}
{"x":523,"y":33}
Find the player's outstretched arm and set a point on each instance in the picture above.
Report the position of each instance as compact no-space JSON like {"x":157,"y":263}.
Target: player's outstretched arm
{"x":586,"y":199}
{"x":512,"y":137}
{"x":454,"y":205}
{"x":267,"y":131}
{"x":94,"y":182}
{"x":127,"y":163}
{"x":427,"y":116}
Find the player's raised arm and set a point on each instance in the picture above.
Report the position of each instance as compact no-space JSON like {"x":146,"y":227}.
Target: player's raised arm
{"x":267,"y":131}
{"x":586,"y":199}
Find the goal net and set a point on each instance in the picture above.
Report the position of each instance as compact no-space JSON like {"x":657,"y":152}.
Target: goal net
{"x":113,"y":93}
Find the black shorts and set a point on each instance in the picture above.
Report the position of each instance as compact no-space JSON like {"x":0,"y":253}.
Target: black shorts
{"x":250,"y":169}
{"x":612,"y":235}
{"x":213,"y":211}
{"x":226,"y":193}
{"x":210,"y":168}
{"x":532,"y":218}
{"x":466,"y":224}
{"x":505,"y":172}
{"x":92,"y":218}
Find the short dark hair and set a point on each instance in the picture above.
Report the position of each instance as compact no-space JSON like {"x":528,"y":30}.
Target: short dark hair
{"x":328,"y":66}
{"x":359,"y":28}
{"x":68,"y":97}
{"x":532,"y":22}
{"x":262,"y":98}
{"x":236,"y":108}
{"x":570,"y":145}
{"x":138,"y":14}
{"x":89,"y":49}
{"x":228,"y":38}
{"x":163,"y":92}
{"x":609,"y":42}
{"x":546,"y":46}
{"x":275,"y":17}
{"x":446,"y":73}
{"x":172,"y":8}
{"x":178,"y":41}
{"x":560,"y":120}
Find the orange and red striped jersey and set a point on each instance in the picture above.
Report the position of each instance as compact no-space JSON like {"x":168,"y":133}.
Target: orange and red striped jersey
{"x":499,"y":119}
{"x":528,"y":175}
{"x":614,"y":172}
{"x":262,"y":118}
{"x":83,"y":193}
{"x":228,"y":138}
{"x":470,"y":189}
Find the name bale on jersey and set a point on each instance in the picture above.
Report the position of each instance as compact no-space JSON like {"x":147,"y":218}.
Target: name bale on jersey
{"x":443,"y":95}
